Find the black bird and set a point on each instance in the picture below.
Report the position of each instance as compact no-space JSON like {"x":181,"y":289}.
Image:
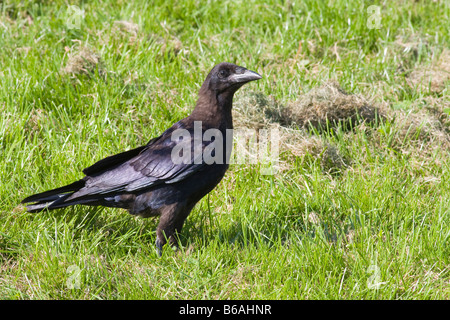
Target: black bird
{"x":172,"y":172}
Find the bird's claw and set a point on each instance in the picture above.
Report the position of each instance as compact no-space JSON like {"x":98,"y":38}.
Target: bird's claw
{"x":159,"y":246}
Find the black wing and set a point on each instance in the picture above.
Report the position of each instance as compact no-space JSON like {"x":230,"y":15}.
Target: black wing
{"x":143,"y":167}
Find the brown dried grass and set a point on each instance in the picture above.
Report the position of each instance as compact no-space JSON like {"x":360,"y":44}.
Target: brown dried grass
{"x":83,"y":60}
{"x":420,"y":131}
{"x":257,"y":111}
{"x":427,"y":124}
{"x":434,"y":77}
{"x":329,"y":105}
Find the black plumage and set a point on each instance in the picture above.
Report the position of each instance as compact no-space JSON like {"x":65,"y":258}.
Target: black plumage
{"x":146,"y":180}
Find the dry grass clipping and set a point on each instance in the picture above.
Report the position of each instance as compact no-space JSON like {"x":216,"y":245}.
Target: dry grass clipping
{"x":434,"y":77}
{"x":257,"y":111}
{"x":421,"y":131}
{"x":126,"y":28}
{"x":427,"y":125}
{"x":83,"y":60}
{"x":328,"y":105}
{"x":309,"y":148}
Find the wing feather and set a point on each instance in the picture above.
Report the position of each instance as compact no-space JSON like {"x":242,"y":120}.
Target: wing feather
{"x":141,"y":168}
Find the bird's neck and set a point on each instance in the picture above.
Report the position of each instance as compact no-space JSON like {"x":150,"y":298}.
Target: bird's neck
{"x":214,"y":109}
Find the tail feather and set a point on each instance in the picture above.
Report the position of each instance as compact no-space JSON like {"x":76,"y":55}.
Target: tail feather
{"x":45,"y":204}
{"x":77,"y":185}
{"x":54,"y":198}
{"x":60,"y":203}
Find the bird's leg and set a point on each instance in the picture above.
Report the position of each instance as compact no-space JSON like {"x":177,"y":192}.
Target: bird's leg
{"x":161,"y":241}
{"x":167,"y":233}
{"x":170,"y":225}
{"x":164,"y":236}
{"x":158,"y":247}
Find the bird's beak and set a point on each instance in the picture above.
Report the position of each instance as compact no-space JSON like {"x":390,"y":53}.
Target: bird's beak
{"x":245,"y":76}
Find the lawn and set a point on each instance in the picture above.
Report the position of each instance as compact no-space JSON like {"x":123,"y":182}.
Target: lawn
{"x":357,"y":205}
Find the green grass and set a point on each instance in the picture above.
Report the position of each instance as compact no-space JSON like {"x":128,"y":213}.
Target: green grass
{"x":377,"y":228}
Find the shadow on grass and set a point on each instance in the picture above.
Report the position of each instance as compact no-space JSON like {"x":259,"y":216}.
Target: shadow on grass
{"x":105,"y":228}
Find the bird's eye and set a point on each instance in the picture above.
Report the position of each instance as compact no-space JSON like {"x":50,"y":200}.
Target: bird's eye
{"x":223,"y":73}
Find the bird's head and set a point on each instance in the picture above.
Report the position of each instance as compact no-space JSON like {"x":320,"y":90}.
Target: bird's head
{"x":216,"y":94}
{"x":228,"y":78}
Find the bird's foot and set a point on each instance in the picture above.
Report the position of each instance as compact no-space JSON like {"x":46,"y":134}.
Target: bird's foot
{"x":159,"y":247}
{"x":160,"y":244}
